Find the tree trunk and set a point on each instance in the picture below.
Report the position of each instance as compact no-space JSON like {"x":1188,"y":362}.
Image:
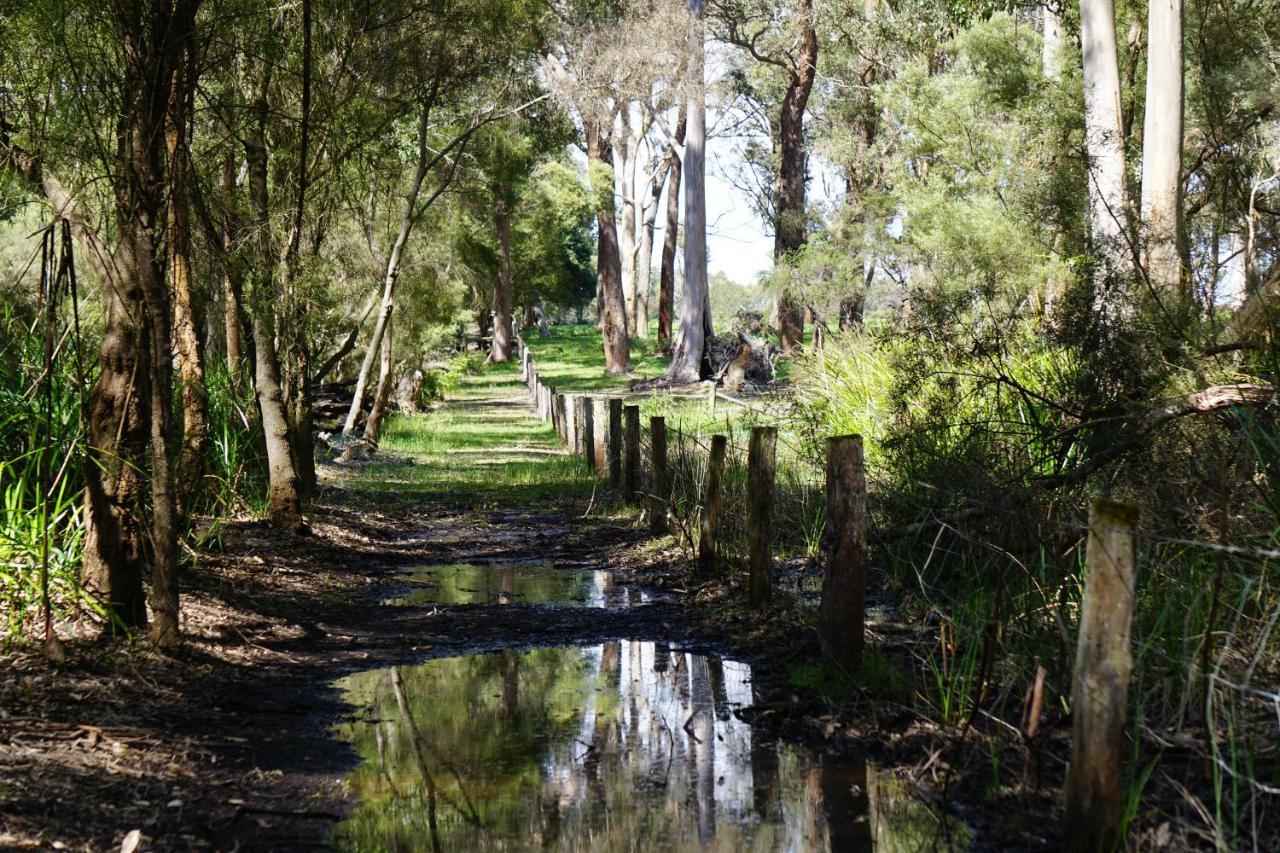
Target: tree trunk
{"x":500,"y":351}
{"x":186,"y":337}
{"x":644,"y":264}
{"x":391,"y":271}
{"x":284,"y":494}
{"x":670,"y":235}
{"x":1162,"y":152}
{"x":625,"y":178}
{"x":611,"y":307}
{"x":382,"y":392}
{"x":789,"y":201}
{"x":231,"y":277}
{"x":1108,"y":197}
{"x":686,"y":359}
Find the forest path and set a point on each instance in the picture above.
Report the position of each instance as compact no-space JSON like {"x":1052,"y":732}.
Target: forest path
{"x":232,"y":743}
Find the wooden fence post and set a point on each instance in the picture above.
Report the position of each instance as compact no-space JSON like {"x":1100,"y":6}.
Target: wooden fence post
{"x":842,"y":611}
{"x":711,"y":503}
{"x":571,"y":422}
{"x":1100,"y":684}
{"x":761,"y":462}
{"x":600,"y":437}
{"x":660,"y":493}
{"x":586,"y":429}
{"x":615,"y":442}
{"x":631,"y":453}
{"x":711,"y":398}
{"x":559,"y":410}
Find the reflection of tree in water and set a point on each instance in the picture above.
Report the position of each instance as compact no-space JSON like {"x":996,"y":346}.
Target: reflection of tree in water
{"x":620,"y":746}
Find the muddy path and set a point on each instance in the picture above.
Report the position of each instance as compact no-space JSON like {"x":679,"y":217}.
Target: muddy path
{"x":231,"y":745}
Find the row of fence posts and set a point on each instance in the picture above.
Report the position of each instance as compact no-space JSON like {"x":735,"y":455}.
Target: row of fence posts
{"x":606,"y":433}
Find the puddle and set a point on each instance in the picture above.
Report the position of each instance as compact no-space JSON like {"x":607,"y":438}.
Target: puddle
{"x":515,"y":583}
{"x":621,"y":746}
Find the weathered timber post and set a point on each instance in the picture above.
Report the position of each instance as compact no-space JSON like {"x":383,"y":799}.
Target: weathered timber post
{"x":711,"y":503}
{"x":560,"y":409}
{"x":600,"y":437}
{"x":761,"y":462}
{"x":586,"y":430}
{"x":660,"y":492}
{"x":631,"y":453}
{"x":615,"y":442}
{"x":1100,"y":684}
{"x":711,"y":398}
{"x":842,"y":612}
{"x":571,"y":422}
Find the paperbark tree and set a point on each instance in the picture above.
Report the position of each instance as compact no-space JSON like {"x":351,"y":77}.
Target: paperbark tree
{"x":1161,"y":198}
{"x":186,"y":337}
{"x":284,"y":492}
{"x":695,"y":310}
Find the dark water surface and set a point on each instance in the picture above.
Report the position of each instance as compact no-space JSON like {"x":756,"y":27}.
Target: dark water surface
{"x":514,"y":583}
{"x":625,"y":745}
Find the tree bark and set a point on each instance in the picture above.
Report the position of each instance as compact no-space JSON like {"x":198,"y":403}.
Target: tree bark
{"x":231,"y":276}
{"x":793,"y":172}
{"x":686,"y":359}
{"x":382,"y":392}
{"x":186,"y":336}
{"x":644,"y":263}
{"x":671,"y":234}
{"x":284,"y":493}
{"x":500,"y":351}
{"x":612,"y":306}
{"x":1104,"y":140}
{"x":1051,"y":42}
{"x":1162,"y":152}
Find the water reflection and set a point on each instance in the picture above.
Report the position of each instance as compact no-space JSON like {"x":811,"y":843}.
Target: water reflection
{"x":514,"y":583}
{"x":619,"y":746}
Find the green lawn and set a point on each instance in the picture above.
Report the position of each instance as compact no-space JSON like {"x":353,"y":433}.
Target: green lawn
{"x":484,"y":447}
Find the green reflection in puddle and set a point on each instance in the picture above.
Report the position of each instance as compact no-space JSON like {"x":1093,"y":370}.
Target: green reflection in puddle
{"x":626,"y":745}
{"x":514,"y":583}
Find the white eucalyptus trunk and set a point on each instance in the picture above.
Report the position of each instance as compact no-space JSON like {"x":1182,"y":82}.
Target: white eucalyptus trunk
{"x":686,"y":359}
{"x":1104,"y":140}
{"x":1162,"y":150}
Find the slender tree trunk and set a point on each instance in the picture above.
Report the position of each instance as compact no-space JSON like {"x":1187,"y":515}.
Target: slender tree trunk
{"x":500,"y":351}
{"x":671,"y":234}
{"x":382,"y":392}
{"x":231,"y":278}
{"x":644,"y":265}
{"x":793,"y":169}
{"x":686,"y":359}
{"x":611,"y":305}
{"x":1104,"y":140}
{"x":625,"y":159}
{"x":186,"y":336}
{"x":391,"y":272}
{"x":284,"y":489}
{"x":1162,"y":153}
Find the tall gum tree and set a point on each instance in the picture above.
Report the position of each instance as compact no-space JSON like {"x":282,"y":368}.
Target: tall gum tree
{"x":1161,"y":196}
{"x":1109,"y":212}
{"x":750,"y":26}
{"x":695,"y":307}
